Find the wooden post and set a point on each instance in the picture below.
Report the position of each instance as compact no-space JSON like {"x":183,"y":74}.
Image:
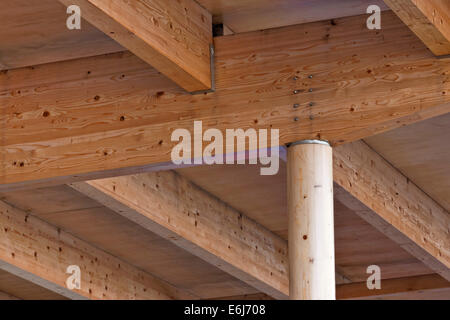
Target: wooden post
{"x":311,"y":226}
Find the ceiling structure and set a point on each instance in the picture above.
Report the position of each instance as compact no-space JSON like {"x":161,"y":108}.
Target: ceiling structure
{"x":78,"y":106}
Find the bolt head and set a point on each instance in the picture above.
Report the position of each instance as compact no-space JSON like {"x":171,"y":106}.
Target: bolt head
{"x":296,"y":119}
{"x":296,"y":105}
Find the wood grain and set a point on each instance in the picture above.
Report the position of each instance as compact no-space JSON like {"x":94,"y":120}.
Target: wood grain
{"x":93,"y":116}
{"x":172,"y":36}
{"x":251,"y":15}
{"x":311,"y":222}
{"x":86,"y":219}
{"x":428,"y":19}
{"x":172,"y":207}
{"x":393,"y":204}
{"x":35,"y":32}
{"x":40,"y":253}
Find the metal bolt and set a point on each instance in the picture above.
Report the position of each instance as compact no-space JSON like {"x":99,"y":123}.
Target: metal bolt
{"x":296,"y":91}
{"x":295,"y":78}
{"x":310,"y":90}
{"x":310,"y":76}
{"x":296,"y":105}
{"x":311,"y":104}
{"x":296,"y":119}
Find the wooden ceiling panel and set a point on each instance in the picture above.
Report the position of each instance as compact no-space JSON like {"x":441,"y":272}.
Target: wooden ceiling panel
{"x":11,"y":285}
{"x":67,"y":209}
{"x":35,"y":32}
{"x":251,"y":15}
{"x":422,"y":153}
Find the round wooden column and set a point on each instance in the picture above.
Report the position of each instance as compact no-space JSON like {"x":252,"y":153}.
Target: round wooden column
{"x":311,"y":223}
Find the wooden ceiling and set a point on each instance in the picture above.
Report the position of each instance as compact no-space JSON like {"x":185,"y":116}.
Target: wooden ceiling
{"x":421,"y":152}
{"x":34,"y":33}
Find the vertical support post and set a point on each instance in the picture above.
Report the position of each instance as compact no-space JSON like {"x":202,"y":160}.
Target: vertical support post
{"x":311,"y":221}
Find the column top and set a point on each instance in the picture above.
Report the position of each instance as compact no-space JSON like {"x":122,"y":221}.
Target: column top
{"x":323,"y":142}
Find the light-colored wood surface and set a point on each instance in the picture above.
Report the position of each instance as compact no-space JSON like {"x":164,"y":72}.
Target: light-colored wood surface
{"x":41,"y":253}
{"x":35,"y":32}
{"x":311,"y":225}
{"x":58,"y":123}
{"x":88,"y":220}
{"x":428,"y":287}
{"x":428,"y":19}
{"x":169,"y":205}
{"x":423,"y":224}
{"x":14,"y":287}
{"x":172,"y":36}
{"x":392,"y":288}
{"x":251,"y":15}
{"x":45,"y":38}
{"x":267,"y":205}
{"x":421,"y":152}
{"x":7,"y":297}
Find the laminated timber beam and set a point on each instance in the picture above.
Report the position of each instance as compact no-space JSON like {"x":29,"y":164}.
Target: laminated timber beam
{"x":380,"y":194}
{"x":384,"y":197}
{"x":428,"y":19}
{"x":169,"y":205}
{"x":418,"y":287}
{"x":177,"y":210}
{"x":113,"y":115}
{"x":175,"y":37}
{"x":38,"y":252}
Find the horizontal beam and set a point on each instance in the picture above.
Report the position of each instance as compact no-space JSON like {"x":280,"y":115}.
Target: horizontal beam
{"x":38,"y":252}
{"x":177,"y":210}
{"x":5,"y":296}
{"x":110,"y":115}
{"x":409,"y":287}
{"x":172,"y":36}
{"x":384,"y":197}
{"x":390,"y":288}
{"x":169,"y":205}
{"x":428,"y":19}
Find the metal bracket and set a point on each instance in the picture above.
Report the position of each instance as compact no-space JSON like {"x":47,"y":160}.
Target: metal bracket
{"x":213,"y":73}
{"x":323,"y":142}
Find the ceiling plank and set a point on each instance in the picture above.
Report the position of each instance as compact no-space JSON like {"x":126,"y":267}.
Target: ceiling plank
{"x":41,"y":253}
{"x":402,"y":287}
{"x":45,"y":37}
{"x":179,"y":211}
{"x":428,"y":19}
{"x":110,"y":115}
{"x":384,"y":197}
{"x":172,"y":36}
